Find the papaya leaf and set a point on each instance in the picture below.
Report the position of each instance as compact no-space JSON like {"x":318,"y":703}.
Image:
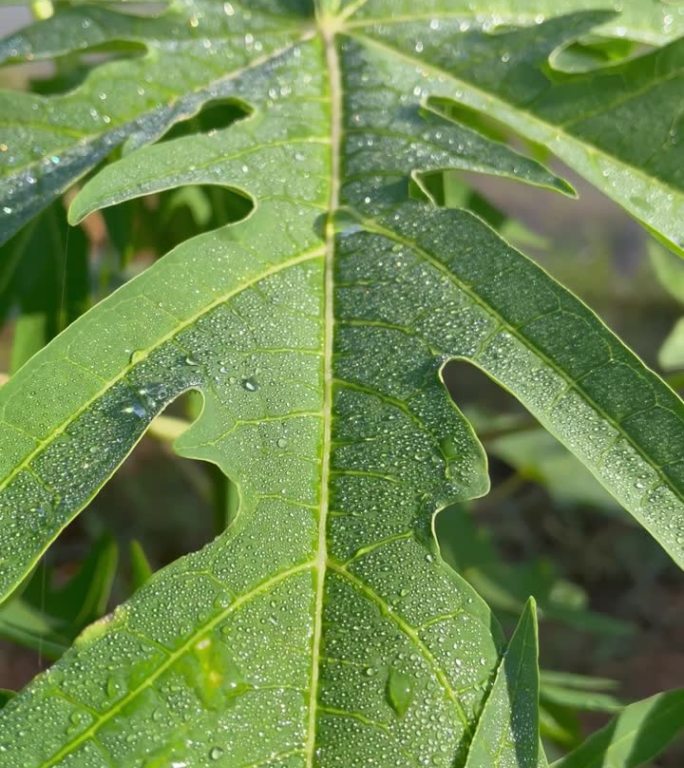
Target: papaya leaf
{"x":323,"y":619}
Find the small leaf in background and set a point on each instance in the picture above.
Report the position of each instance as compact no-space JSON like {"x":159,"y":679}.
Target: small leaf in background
{"x":637,"y":734}
{"x":141,"y":570}
{"x":671,"y":354}
{"x":43,"y":277}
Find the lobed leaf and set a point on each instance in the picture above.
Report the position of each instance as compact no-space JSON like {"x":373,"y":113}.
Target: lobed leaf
{"x":323,"y":619}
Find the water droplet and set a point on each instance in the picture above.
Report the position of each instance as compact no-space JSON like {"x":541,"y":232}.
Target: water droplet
{"x":215,"y":753}
{"x":250,"y":384}
{"x":281,"y":442}
{"x":189,"y":360}
{"x":136,"y":356}
{"x":137,"y":409}
{"x":223,"y":601}
{"x":112,"y":687}
{"x":400,"y":690}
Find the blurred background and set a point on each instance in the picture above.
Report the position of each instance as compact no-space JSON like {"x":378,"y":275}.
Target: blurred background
{"x":611,"y":603}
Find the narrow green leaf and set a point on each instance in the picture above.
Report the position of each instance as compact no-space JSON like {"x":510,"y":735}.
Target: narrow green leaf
{"x":588,"y":701}
{"x":669,"y":270}
{"x":638,"y":734}
{"x":43,"y":276}
{"x":141,"y":570}
{"x":83,"y":599}
{"x":508,"y":730}
{"x":671,"y":354}
{"x":25,"y":625}
{"x":578,"y":682}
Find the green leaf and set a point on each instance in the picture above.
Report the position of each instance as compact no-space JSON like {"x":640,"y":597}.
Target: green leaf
{"x":323,"y":619}
{"x":582,"y":699}
{"x":506,"y":587}
{"x":83,"y":599}
{"x":538,"y":457}
{"x":671,"y":354}
{"x":5,"y":696}
{"x":43,"y":275}
{"x":141,"y":570}
{"x":578,"y":117}
{"x":508,"y":733}
{"x":26,"y":625}
{"x":638,"y":734}
{"x":668,"y":269}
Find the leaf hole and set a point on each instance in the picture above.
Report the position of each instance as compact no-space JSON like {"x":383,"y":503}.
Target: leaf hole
{"x":595,"y":52}
{"x":215,"y":115}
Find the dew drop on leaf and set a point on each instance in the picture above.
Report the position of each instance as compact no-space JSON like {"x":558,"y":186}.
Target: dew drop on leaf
{"x":112,"y":687}
{"x":250,"y":384}
{"x":400,"y":691}
{"x":137,"y":409}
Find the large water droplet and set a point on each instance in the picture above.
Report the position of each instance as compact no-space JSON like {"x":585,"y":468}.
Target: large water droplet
{"x":400,"y":691}
{"x":137,"y":409}
{"x":250,"y":384}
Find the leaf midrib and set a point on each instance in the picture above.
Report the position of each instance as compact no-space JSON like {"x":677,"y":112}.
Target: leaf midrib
{"x":334,"y":80}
